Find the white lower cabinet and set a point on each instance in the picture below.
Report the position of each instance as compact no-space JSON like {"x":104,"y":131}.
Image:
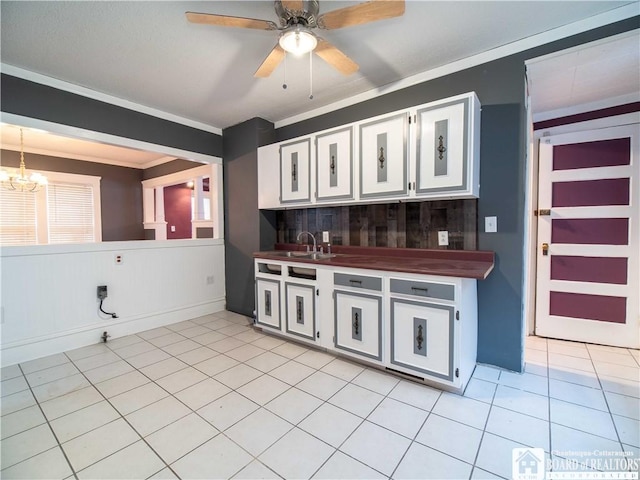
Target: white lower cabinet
{"x":268,"y":302}
{"x":419,"y":325}
{"x":301,"y":310}
{"x":357,"y":328}
{"x":422,"y":337}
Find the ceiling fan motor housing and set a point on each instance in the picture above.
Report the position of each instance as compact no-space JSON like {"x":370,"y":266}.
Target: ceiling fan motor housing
{"x":307,"y":16}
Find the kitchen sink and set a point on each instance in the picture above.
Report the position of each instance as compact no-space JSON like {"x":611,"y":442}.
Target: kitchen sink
{"x":291,"y":254}
{"x":297,"y":254}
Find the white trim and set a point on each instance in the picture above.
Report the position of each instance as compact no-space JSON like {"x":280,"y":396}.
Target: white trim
{"x":578,"y":48}
{"x":118,"y":246}
{"x":81,"y":133}
{"x":103,"y":97}
{"x":612,"y":16}
{"x":177,"y":177}
{"x":87,"y":158}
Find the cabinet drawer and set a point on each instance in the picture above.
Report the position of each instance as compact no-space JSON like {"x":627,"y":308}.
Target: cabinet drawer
{"x":422,"y":337}
{"x":358,"y":281}
{"x":441,"y":291}
{"x":358,"y":323}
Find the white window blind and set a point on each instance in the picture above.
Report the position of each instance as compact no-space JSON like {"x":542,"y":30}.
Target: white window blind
{"x":71,"y":213}
{"x":18,"y":219}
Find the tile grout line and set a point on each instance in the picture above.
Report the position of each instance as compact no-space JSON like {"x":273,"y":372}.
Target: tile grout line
{"x":484,"y":430}
{"x":606,"y":401}
{"x":73,"y":472}
{"x":128,"y":423}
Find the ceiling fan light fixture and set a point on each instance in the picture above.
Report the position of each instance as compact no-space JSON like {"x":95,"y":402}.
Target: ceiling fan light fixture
{"x":298,"y":41}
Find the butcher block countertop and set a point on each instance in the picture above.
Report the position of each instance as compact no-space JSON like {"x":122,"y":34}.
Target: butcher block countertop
{"x":449,"y":263}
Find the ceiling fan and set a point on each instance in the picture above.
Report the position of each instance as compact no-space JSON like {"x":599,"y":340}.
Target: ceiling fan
{"x":297,"y":19}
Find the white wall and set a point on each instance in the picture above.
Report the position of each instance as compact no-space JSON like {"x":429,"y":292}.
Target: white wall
{"x":48,"y":292}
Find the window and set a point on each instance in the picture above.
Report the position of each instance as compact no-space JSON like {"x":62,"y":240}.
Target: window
{"x":67,"y":210}
{"x":18,"y":225}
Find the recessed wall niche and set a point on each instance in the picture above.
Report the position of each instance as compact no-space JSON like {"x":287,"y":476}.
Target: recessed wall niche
{"x":406,"y":225}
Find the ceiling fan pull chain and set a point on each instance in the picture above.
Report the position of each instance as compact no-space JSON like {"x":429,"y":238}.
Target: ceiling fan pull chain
{"x":284,"y":85}
{"x":311,"y":75}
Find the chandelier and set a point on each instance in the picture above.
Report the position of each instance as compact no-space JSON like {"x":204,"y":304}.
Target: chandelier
{"x":19,"y":180}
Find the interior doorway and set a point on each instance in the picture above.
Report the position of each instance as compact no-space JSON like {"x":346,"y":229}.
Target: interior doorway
{"x":582,"y":284}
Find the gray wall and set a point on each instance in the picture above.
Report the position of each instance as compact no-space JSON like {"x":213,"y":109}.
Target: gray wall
{"x":30,"y":99}
{"x":177,"y":165}
{"x":120,"y":191}
{"x":246,"y":228}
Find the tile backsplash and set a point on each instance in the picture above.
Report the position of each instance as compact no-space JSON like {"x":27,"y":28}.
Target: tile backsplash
{"x":408,"y":225}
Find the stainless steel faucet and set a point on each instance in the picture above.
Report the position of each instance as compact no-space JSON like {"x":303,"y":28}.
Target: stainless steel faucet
{"x":309,"y":234}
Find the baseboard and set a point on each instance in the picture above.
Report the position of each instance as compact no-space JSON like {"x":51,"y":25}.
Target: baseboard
{"x":31,"y":349}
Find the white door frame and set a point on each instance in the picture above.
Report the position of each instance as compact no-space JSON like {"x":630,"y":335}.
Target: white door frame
{"x":531,"y":200}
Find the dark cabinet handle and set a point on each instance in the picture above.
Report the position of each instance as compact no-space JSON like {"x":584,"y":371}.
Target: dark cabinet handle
{"x":356,"y":323}
{"x":441,"y":147}
{"x":333,"y":165}
{"x":355,"y":282}
{"x":419,"y":289}
{"x":299,"y":311}
{"x":293,"y":172}
{"x":420,"y":338}
{"x":381,"y":158}
{"x":267,"y":303}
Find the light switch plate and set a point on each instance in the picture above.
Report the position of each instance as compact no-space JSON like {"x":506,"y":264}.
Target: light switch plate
{"x":490,"y":224}
{"x":443,"y":238}
{"x":173,"y":228}
{"x":325,"y":237}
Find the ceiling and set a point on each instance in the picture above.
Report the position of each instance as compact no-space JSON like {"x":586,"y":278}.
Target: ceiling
{"x":581,"y":76}
{"x":147,"y":53}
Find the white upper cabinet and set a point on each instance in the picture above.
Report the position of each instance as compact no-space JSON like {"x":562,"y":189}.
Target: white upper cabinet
{"x":269,"y":177}
{"x":334,"y":165}
{"x":383,"y":157}
{"x":447,"y":148}
{"x":430,"y":151}
{"x":295,"y":172}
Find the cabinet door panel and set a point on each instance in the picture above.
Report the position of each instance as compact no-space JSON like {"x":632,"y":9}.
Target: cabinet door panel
{"x":422,"y":337}
{"x":334,"y":165}
{"x":268,"y":302}
{"x":443,"y":149}
{"x":358,"y":323}
{"x":301,"y":308}
{"x":295,"y":174}
{"x":383,"y":157}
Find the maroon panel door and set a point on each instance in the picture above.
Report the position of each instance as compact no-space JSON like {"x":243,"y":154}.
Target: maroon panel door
{"x":588,"y":248}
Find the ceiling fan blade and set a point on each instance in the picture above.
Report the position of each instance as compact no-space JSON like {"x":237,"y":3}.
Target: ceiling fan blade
{"x":361,"y":13}
{"x":226,"y":21}
{"x":292,"y":5}
{"x":271,"y":62}
{"x":334,"y":57}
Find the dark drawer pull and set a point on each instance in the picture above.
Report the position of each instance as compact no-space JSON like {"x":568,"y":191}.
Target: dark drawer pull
{"x":419,"y":289}
{"x":355,"y":282}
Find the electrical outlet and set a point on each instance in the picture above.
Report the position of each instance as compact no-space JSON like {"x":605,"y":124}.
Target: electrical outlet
{"x":490,"y":224}
{"x":325,"y":237}
{"x":173,"y":228}
{"x":118,"y":259}
{"x":443,"y":238}
{"x":102,"y":292}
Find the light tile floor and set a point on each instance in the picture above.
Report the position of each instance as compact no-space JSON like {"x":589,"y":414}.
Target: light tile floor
{"x":213,"y":398}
